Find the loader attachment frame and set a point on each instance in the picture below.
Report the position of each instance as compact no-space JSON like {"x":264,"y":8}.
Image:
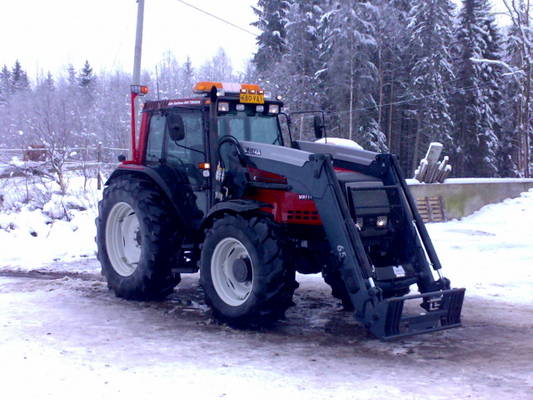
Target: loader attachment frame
{"x":313,"y":174}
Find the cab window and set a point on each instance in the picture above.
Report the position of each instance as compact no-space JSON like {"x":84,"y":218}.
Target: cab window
{"x":244,"y":126}
{"x":156,"y":134}
{"x":189,"y":150}
{"x":187,"y":153}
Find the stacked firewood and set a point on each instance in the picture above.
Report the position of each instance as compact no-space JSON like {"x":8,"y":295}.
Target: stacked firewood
{"x":431,"y":170}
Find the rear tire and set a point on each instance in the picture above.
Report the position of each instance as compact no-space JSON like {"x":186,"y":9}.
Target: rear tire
{"x":137,"y":239}
{"x":243,"y":273}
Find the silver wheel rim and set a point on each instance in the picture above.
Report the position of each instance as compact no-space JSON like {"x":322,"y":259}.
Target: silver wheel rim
{"x":122,"y":239}
{"x":229,"y":289}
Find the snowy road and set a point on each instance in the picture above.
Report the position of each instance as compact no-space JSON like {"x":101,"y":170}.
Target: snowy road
{"x":70,"y":336}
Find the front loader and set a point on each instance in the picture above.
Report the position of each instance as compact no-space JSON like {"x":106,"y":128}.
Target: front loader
{"x":213,"y":186}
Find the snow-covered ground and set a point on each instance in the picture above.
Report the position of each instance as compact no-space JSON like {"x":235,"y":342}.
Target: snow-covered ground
{"x":69,"y":336}
{"x":491,"y":251}
{"x":39,"y":226}
{"x":65,"y":338}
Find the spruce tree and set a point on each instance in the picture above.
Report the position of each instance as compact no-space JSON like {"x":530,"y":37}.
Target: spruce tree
{"x":393,"y":73}
{"x":521,"y":55}
{"x":72,"y":76}
{"x":477,"y":98}
{"x":271,"y":44}
{"x":495,"y":90}
{"x":351,"y":72}
{"x":187,"y":77}
{"x":86,"y":77}
{"x":301,"y":62}
{"x":5,"y":84}
{"x":49,"y":82}
{"x":430,"y":28}
{"x":19,"y":78}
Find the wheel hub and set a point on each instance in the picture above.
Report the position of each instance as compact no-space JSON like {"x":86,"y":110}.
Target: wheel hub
{"x":123,"y":239}
{"x":232,"y":271}
{"x":242,"y":270}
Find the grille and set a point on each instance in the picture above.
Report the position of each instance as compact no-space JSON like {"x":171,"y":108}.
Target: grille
{"x":302,"y":215}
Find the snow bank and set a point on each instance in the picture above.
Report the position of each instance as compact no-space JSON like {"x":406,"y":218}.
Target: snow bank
{"x":31,"y":238}
{"x":488,"y":180}
{"x":47,"y":227}
{"x":490,"y":252}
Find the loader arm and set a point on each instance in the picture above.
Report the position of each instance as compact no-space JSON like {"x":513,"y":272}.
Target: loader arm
{"x":313,"y":174}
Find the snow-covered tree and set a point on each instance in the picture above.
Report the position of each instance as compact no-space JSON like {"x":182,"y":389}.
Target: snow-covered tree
{"x":520,"y":54}
{"x":219,"y":68}
{"x":295,"y":75}
{"x":352,"y":74}
{"x":72,"y":76}
{"x":430,"y":28}
{"x":5,"y":84}
{"x":19,"y":78}
{"x":495,"y":70}
{"x":187,"y":77}
{"x":49,"y":82}
{"x":87,"y":84}
{"x":391,"y":52}
{"x":86,"y":77}
{"x":271,"y":43}
{"x":477,"y":98}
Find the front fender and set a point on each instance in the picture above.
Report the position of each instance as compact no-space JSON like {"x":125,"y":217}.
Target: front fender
{"x":239,"y":206}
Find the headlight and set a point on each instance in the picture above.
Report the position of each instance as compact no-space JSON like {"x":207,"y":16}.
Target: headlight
{"x":273,"y":109}
{"x":359,"y":223}
{"x":223,"y":107}
{"x":381,"y":221}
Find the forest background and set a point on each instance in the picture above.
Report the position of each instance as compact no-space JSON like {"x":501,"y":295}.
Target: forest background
{"x":393,"y":75}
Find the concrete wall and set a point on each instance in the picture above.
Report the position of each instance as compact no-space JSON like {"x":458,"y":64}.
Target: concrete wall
{"x":463,"y":197}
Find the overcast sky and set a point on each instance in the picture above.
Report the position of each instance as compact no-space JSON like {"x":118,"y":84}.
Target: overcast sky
{"x":49,"y":34}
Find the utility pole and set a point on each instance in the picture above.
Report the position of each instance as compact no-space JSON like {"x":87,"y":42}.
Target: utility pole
{"x":138,"y":44}
{"x":136,"y":81}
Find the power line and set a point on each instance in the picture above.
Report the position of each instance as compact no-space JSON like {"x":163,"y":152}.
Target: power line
{"x":412,"y":99}
{"x":218,"y":18}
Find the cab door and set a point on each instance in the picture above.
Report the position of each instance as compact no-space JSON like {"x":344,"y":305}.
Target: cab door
{"x":177,"y":162}
{"x":187,"y":154}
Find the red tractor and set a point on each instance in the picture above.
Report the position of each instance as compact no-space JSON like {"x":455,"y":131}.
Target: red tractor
{"x":213,"y":186}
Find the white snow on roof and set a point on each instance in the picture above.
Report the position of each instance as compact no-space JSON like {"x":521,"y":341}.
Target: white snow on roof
{"x":340,"y":142}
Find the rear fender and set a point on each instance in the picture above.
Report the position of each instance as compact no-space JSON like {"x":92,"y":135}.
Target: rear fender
{"x":189,"y":216}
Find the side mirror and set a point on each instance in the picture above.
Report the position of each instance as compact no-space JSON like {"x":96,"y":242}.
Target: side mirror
{"x":318,"y":126}
{"x":176,"y":130}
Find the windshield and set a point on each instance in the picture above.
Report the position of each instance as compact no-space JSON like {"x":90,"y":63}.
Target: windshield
{"x":254,"y":128}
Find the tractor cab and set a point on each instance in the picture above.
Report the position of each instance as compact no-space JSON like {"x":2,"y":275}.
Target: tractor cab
{"x":180,"y":137}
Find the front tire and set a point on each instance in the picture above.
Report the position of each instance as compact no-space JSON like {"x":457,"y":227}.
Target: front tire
{"x":243,"y":273}
{"x":137,"y":239}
